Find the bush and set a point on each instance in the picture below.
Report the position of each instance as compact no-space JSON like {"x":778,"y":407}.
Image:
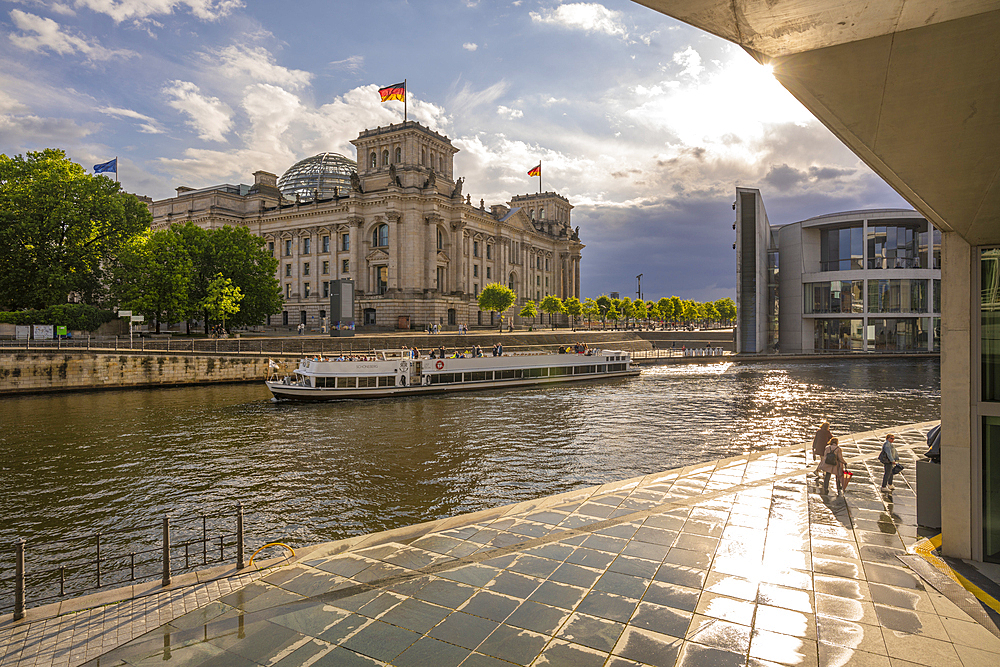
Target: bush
{"x":75,"y":316}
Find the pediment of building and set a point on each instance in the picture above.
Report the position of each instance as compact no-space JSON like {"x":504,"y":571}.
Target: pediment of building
{"x":442,"y":256}
{"x":377,"y":255}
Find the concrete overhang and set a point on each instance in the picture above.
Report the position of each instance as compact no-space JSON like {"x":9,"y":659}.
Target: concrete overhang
{"x":911,"y":86}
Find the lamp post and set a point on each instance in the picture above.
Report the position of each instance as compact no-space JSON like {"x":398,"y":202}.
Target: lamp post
{"x":639,"y":290}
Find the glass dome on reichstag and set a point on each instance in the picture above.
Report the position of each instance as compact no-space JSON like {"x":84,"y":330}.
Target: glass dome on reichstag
{"x":330,"y":173}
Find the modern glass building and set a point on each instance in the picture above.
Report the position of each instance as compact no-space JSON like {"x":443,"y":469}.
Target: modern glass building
{"x":859,"y":281}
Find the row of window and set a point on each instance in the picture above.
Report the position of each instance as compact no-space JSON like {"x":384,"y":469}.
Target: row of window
{"x":884,"y":296}
{"x":435,"y":161}
{"x":345,"y":244}
{"x":902,"y":245}
{"x":307,"y":290}
{"x":345,"y":267}
{"x":521,"y":373}
{"x":368,"y":382}
{"x":912,"y":334}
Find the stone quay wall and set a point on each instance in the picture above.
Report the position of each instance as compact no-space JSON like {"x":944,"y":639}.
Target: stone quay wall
{"x":36,"y":370}
{"x":29,"y":371}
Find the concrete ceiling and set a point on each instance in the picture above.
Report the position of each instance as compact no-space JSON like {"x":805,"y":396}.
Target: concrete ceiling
{"x":911,"y":86}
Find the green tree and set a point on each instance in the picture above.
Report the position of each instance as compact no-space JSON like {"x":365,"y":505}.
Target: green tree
{"x":152,"y":275}
{"x":590,"y":309}
{"x":726,"y":308}
{"x":653,"y":311}
{"x":666,"y":308}
{"x":573,"y":308}
{"x":627,"y":309}
{"x":639,"y":310}
{"x":223,"y":299}
{"x":496,"y":298}
{"x":711,"y":312}
{"x":552,"y":304}
{"x":528,"y":310}
{"x":678,"y":308}
{"x":59,"y":229}
{"x":689,"y":311}
{"x":604,"y":303}
{"x":236,"y":253}
{"x":614,"y":315}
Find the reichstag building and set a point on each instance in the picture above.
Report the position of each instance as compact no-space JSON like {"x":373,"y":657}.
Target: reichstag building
{"x":397,"y":223}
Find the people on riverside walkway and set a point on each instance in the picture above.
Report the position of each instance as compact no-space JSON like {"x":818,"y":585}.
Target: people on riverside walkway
{"x":833,"y":463}
{"x":889,"y":458}
{"x":820,"y":441}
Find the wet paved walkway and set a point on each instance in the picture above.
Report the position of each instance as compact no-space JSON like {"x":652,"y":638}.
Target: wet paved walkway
{"x":738,"y":562}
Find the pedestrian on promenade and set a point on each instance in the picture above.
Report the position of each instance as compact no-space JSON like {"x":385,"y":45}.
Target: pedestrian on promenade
{"x":889,"y":458}
{"x":820,"y":441}
{"x":833,"y":463}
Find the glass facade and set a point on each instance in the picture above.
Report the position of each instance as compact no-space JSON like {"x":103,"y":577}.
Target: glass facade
{"x":897,"y":245}
{"x":989,"y":309}
{"x":897,"y":296}
{"x":841,"y":249}
{"x":839,"y":335}
{"x":898,"y":335}
{"x":772,"y":300}
{"x":326,"y":175}
{"x":835,"y":296}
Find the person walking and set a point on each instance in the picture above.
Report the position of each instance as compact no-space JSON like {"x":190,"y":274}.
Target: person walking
{"x":833,"y":463}
{"x":889,"y":458}
{"x":820,"y":441}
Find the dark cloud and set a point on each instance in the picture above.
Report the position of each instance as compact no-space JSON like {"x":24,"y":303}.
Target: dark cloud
{"x":829,"y":173}
{"x":784,"y":177}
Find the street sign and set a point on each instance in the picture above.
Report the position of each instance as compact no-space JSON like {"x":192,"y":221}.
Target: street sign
{"x":138,"y":318}
{"x":124,"y":313}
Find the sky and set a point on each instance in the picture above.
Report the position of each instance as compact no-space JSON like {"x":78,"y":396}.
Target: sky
{"x":645,"y":124}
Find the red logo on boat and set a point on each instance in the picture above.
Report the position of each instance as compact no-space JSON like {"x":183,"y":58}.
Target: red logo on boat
{"x":439,"y":365}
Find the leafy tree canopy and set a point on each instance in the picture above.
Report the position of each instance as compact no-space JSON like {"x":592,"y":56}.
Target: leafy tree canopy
{"x":59,"y":229}
{"x":223,"y":298}
{"x":528,"y":310}
{"x":496,"y":297}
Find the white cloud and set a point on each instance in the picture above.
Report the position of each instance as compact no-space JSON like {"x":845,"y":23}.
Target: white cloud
{"x":210,"y":116}
{"x":588,"y":16}
{"x":469,"y":46}
{"x":507,"y":112}
{"x":690,"y":60}
{"x":123,"y":10}
{"x":464,"y":101}
{"x":54,"y":7}
{"x":257,"y":64}
{"x":352,"y":64}
{"x":41,"y":34}
{"x":147,"y":126}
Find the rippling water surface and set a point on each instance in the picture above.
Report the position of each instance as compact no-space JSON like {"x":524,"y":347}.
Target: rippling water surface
{"x":72,"y":464}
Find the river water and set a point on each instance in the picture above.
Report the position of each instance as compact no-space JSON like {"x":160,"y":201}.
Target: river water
{"x":74,"y":464}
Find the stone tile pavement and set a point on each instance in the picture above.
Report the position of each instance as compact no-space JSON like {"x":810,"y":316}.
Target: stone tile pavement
{"x":736,"y":562}
{"x":49,"y":638}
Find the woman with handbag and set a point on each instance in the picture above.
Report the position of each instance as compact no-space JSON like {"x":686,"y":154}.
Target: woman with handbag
{"x":889,"y":458}
{"x":833,"y":463}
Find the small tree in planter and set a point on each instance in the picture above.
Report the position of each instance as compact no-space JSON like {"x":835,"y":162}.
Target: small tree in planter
{"x":497,"y":298}
{"x":573,"y":308}
{"x":529,"y":310}
{"x":552,"y":305}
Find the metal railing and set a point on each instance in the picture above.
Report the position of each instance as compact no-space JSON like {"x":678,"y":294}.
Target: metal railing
{"x":237,"y":346}
{"x":92,"y":562}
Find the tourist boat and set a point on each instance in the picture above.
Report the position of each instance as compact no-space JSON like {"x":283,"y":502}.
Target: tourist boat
{"x":385,"y":373}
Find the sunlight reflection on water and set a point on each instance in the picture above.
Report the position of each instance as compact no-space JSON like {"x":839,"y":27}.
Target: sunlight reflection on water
{"x":315,"y":472}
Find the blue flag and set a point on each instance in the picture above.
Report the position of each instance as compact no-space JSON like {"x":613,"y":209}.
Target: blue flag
{"x":106,"y":167}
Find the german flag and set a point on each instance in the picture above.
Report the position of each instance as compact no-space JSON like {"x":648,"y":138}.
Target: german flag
{"x":537,"y":171}
{"x":396,"y":91}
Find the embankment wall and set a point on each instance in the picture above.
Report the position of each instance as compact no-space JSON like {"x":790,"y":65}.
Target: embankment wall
{"x":43,"y":370}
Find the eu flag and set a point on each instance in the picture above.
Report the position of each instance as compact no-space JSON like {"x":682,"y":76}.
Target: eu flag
{"x":112,"y":165}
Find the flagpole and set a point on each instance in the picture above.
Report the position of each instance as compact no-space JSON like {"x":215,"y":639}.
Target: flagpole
{"x":404,"y":100}
{"x":539,"y":177}
{"x":116,"y":169}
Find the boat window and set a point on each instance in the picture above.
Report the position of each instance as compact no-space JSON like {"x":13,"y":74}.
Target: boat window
{"x":366,"y":382}
{"x":478,"y":376}
{"x":347,"y":383}
{"x":601,"y":369}
{"x":386,"y":381}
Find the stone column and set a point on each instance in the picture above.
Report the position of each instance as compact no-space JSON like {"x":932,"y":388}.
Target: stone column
{"x":396,"y":249}
{"x":457,"y":268}
{"x":432,"y":220}
{"x":355,"y":253}
{"x":576,"y":277}
{"x":961,"y":512}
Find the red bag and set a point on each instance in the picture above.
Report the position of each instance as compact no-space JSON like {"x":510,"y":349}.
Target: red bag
{"x":847,"y":478}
